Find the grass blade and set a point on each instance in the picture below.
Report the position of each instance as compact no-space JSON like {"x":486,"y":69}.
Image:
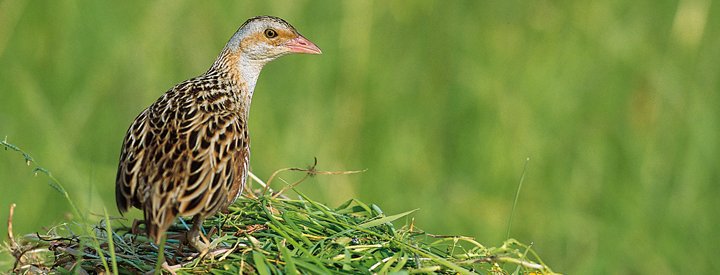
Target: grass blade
{"x":385,"y":220}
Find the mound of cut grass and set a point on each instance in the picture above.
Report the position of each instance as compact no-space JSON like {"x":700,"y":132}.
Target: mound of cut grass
{"x":266,"y":233}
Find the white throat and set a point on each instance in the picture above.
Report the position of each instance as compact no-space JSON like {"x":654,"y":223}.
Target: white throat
{"x":250,"y":71}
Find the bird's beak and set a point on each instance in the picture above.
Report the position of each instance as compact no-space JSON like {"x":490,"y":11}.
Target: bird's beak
{"x":300,"y":44}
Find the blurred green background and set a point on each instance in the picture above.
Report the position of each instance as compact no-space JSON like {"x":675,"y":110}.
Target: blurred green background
{"x":616,"y":104}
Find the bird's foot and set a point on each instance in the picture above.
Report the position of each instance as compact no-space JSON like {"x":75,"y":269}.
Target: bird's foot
{"x":198,"y":241}
{"x":170,"y":268}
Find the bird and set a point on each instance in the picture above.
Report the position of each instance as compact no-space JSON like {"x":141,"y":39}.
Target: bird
{"x":187,"y":154}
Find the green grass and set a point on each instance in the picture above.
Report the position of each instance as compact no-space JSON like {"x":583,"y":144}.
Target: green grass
{"x":615,"y":103}
{"x":266,"y":234}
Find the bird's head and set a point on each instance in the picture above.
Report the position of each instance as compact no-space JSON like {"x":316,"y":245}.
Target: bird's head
{"x":265,"y":38}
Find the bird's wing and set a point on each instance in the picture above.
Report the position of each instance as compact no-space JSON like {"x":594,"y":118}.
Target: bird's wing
{"x":193,"y":160}
{"x":132,"y":158}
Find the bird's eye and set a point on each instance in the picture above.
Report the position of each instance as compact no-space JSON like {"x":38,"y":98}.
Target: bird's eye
{"x":270,"y":33}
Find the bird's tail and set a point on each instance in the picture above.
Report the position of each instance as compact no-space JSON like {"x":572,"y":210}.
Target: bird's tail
{"x":157,"y":223}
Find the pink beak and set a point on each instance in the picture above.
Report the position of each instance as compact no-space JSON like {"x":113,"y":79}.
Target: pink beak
{"x":302,"y":45}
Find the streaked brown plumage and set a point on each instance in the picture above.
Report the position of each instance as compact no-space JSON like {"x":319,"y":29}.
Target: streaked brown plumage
{"x":187,"y":154}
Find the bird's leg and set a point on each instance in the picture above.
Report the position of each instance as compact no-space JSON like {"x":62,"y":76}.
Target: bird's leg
{"x":195,"y":237}
{"x":134,"y":229}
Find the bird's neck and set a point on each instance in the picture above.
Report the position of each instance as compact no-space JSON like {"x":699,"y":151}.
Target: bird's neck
{"x":239,"y":68}
{"x":249,"y":71}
